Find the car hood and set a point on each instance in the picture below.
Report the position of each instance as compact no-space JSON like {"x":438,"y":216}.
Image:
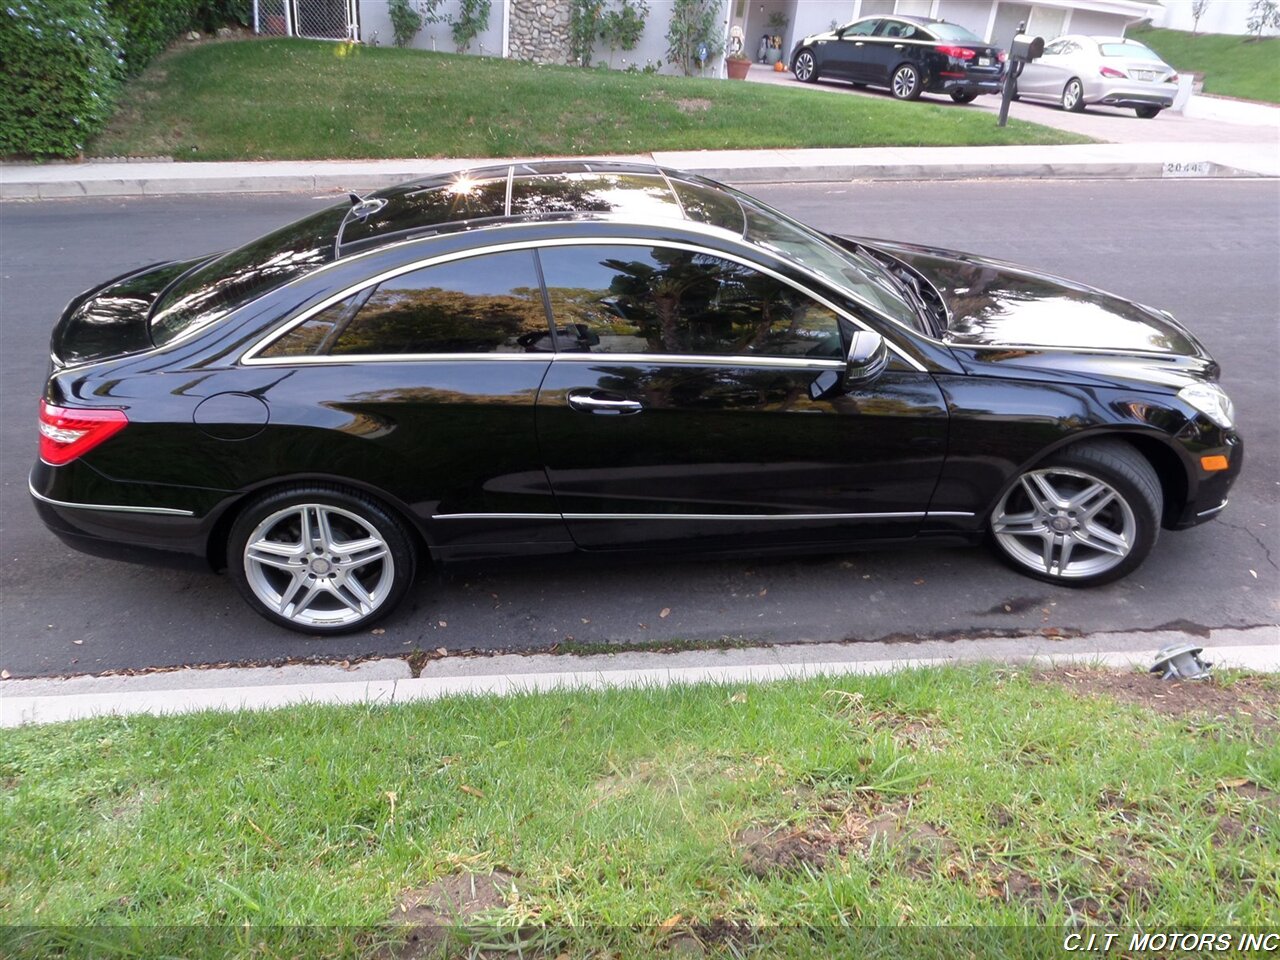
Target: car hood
{"x":1007,"y":314}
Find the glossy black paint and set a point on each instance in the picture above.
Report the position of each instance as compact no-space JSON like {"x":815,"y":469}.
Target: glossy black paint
{"x":483,"y":456}
{"x":872,"y":59}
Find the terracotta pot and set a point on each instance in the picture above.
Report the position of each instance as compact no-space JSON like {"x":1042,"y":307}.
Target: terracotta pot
{"x":737,"y":69}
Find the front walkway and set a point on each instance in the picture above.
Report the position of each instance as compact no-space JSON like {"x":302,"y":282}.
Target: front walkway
{"x":1101,"y":123}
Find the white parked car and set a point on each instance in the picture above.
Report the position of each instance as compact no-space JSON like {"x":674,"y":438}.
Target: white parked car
{"x":1077,"y":71}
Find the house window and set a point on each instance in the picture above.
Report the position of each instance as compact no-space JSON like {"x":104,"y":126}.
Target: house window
{"x":914,"y":8}
{"x":1047,"y":22}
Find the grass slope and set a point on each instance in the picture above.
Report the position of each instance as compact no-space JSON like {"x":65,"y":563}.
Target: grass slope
{"x":1232,"y":66}
{"x":297,"y":99}
{"x":624,"y":823}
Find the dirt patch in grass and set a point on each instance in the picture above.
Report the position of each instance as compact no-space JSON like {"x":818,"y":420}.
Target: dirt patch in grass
{"x":865,"y":827}
{"x":1255,"y":698}
{"x":426,"y":918}
{"x":1232,"y":828}
{"x":693,"y":104}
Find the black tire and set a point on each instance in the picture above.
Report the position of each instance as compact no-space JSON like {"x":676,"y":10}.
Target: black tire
{"x":963,"y":96}
{"x":312,"y":585}
{"x":1147,"y":113}
{"x":1136,"y":506}
{"x":805,"y":66}
{"x":906,"y":82}
{"x":1073,"y":96}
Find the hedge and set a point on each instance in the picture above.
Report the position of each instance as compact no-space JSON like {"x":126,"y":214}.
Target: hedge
{"x":61,"y":72}
{"x":61,"y":62}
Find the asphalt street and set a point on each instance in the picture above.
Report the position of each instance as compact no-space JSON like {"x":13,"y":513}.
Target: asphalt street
{"x":1207,"y":250}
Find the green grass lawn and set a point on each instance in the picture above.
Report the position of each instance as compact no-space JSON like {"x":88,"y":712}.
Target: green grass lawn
{"x":297,"y":99}
{"x":794,"y":819}
{"x":1232,"y":66}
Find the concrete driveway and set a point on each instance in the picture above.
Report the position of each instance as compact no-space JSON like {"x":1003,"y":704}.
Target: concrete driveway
{"x":1102,"y":123}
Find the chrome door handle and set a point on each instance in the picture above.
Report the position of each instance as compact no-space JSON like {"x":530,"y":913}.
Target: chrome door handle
{"x":857,"y":43}
{"x":897,"y":46}
{"x":592,"y":404}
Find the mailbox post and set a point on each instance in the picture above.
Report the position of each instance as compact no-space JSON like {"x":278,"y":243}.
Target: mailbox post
{"x":1022,"y":51}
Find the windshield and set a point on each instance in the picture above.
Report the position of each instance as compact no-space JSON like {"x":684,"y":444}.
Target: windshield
{"x":211,"y":291}
{"x":953,"y":31}
{"x":1135,"y":50}
{"x":766,"y":227}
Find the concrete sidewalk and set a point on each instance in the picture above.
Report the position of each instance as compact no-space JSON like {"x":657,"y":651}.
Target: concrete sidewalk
{"x":1076,"y":161}
{"x":391,"y":681}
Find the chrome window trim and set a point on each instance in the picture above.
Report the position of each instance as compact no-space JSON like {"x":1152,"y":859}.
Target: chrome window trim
{"x":108,"y":507}
{"x":250,"y":357}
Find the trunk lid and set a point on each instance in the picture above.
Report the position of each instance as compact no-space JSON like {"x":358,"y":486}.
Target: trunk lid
{"x":113,"y":320}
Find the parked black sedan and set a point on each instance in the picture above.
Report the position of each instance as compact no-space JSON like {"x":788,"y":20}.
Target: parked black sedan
{"x":534,"y":359}
{"x":909,"y":55}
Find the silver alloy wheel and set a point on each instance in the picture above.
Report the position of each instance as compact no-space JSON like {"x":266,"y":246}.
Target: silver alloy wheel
{"x":904,"y":82}
{"x":1064,"y":523}
{"x":319,"y":565}
{"x":804,"y":66}
{"x":1071,"y":95}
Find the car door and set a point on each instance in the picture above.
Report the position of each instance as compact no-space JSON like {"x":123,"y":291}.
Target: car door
{"x":891,"y":46}
{"x":1045,"y":77}
{"x":845,"y":57}
{"x":695,"y":399}
{"x":428,"y":379}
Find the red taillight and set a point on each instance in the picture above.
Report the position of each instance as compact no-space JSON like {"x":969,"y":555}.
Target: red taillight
{"x":961,"y":53}
{"x":1112,"y":72}
{"x":66,"y":433}
{"x":1002,"y":56}
{"x":1171,"y":78}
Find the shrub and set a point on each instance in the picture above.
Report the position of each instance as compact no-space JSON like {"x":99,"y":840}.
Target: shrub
{"x":212,"y":14}
{"x":693,"y":22}
{"x":149,"y":26}
{"x":405,"y":22}
{"x":60,"y":63}
{"x":471,"y":21}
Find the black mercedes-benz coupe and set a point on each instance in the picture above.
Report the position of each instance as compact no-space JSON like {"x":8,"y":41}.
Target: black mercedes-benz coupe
{"x":908,"y":55}
{"x":550,"y":357}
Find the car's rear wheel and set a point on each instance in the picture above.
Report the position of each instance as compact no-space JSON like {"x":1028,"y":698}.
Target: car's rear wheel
{"x":963,"y":96}
{"x":1147,"y":113}
{"x":805,"y":68}
{"x":1073,"y":96}
{"x":906,"y":83}
{"x":1088,"y":515}
{"x":320,"y":558}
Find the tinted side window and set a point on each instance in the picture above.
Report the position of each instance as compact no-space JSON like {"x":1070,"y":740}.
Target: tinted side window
{"x":625,"y":299}
{"x":485,"y":304}
{"x":312,"y":335}
{"x":863,"y":29}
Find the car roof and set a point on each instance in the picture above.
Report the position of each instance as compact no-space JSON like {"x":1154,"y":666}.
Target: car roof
{"x":491,"y":196}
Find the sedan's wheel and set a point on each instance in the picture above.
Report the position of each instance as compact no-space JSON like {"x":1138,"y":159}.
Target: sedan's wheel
{"x":906,"y":82}
{"x":963,"y":96}
{"x":805,"y":67}
{"x":1073,"y":96}
{"x":320,"y":559}
{"x":1147,"y":113}
{"x":1088,"y":516}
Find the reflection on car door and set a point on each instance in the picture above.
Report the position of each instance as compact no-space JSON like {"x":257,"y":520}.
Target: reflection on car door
{"x":846,"y":57}
{"x":1046,"y":76}
{"x":702,"y":404}
{"x":888,"y":48}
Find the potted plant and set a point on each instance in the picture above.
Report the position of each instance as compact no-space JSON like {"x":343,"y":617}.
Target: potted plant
{"x":737,"y":64}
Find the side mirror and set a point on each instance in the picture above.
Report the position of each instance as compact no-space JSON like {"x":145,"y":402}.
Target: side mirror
{"x":840,"y":33}
{"x":1026,"y":48}
{"x":867,"y":357}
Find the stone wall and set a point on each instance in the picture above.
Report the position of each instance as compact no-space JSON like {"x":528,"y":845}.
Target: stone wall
{"x":539,"y":31}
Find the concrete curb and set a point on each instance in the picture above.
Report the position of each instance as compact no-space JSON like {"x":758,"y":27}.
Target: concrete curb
{"x":52,"y":701}
{"x":1076,"y":161}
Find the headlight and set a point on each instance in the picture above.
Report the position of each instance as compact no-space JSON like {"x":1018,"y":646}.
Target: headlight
{"x":1211,"y":400}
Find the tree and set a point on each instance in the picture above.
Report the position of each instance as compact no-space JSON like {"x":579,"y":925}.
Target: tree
{"x":693,"y":22}
{"x":1198,"y":8}
{"x":1264,"y":15}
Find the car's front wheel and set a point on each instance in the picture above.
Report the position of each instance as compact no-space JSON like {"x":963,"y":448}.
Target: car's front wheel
{"x":906,"y":83}
{"x":320,"y":558}
{"x":1073,"y":96}
{"x":1088,"y":515}
{"x":805,"y":68}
